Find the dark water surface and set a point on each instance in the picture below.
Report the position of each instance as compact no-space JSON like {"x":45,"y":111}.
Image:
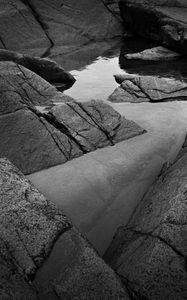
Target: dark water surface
{"x":95,"y":64}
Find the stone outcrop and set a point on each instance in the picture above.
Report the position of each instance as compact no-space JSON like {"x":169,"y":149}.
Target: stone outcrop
{"x":19,"y":28}
{"x":42,"y":256}
{"x":149,"y":254}
{"x":163,"y":21}
{"x":34,"y":139}
{"x":154,"y":54}
{"x":37,"y":26}
{"x":94,"y":124}
{"x":137,"y":89}
{"x":46,"y":68}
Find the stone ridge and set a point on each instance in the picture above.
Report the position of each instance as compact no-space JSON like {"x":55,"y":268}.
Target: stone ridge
{"x":163,"y":21}
{"x":34,"y":139}
{"x":41,"y":255}
{"x":137,"y":89}
{"x":149,"y":254}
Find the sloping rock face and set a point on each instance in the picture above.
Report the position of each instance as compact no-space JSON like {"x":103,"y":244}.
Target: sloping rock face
{"x":47,"y":69}
{"x":34,"y":140}
{"x":40,"y":25}
{"x":20,"y":85}
{"x":163,"y":21}
{"x":154,"y":54}
{"x":94,"y":124}
{"x":149,"y":254}
{"x":19,"y":28}
{"x":137,"y":89}
{"x":35,"y":238}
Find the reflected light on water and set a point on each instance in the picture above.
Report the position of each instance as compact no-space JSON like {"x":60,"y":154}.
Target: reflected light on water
{"x":96,"y":80}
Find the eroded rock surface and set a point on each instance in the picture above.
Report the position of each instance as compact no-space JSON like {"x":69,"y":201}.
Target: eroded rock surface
{"x":41,"y":255}
{"x":41,"y":25}
{"x":46,"y":68}
{"x":148,"y":89}
{"x":163,"y":21}
{"x":149,"y":254}
{"x":94,"y":124}
{"x":35,"y":139}
{"x":19,"y":28}
{"x":154,"y":54}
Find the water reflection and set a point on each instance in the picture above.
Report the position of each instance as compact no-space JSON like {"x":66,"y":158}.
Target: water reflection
{"x":95,"y":64}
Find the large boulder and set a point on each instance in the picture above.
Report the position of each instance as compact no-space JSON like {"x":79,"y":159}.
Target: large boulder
{"x":46,"y":68}
{"x":137,"y":89}
{"x":94,"y":124}
{"x":37,"y":26}
{"x":163,"y":21}
{"x":34,"y":139}
{"x":19,"y":28}
{"x":149,"y":254}
{"x":42,"y":256}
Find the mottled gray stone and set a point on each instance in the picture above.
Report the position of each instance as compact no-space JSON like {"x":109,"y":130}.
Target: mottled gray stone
{"x":94,"y":124}
{"x":137,"y":89}
{"x":149,"y":254}
{"x":154,"y":54}
{"x":44,"y":67}
{"x":41,"y":255}
{"x":163,"y":21}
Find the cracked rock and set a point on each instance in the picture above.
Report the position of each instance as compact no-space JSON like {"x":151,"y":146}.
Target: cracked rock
{"x":149,"y":254}
{"x":19,"y":28}
{"x":45,"y":68}
{"x":19,"y":85}
{"x":94,"y":124}
{"x":137,"y":89}
{"x":163,"y":21}
{"x":41,"y":255}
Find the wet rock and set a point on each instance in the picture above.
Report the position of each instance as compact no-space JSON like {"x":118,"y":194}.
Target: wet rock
{"x":41,"y":255}
{"x":162,"y":21}
{"x":154,"y":54}
{"x":148,"y":89}
{"x":19,"y":28}
{"x":45,"y":68}
{"x":94,"y":124}
{"x":149,"y":254}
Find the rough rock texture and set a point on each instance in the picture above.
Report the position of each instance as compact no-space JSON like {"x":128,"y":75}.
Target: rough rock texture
{"x":18,"y":84}
{"x":47,"y":69}
{"x":148,"y":89}
{"x":164,"y":21}
{"x":149,"y":254}
{"x":36,"y":238}
{"x":94,"y":124}
{"x":41,"y":25}
{"x":19,"y":29}
{"x":34,"y":139}
{"x":154,"y":54}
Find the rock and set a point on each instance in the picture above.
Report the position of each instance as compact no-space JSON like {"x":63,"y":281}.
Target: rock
{"x":154,"y":54}
{"x":149,"y":254}
{"x":75,"y":23}
{"x":35,"y":139}
{"x":148,"y":89}
{"x":94,"y":124}
{"x":45,"y":68}
{"x":41,"y":254}
{"x":19,"y":28}
{"x":163,"y":21}
{"x":40,"y":26}
{"x":18,"y":84}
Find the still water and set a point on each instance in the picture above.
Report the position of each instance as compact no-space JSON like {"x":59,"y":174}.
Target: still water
{"x":94,"y":65}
